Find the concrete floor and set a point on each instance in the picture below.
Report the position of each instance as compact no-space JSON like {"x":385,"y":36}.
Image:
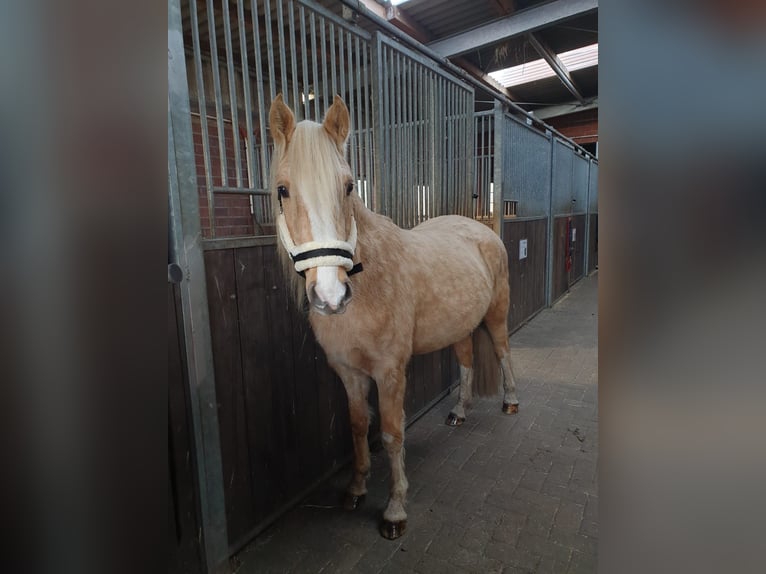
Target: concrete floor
{"x":501,"y":493}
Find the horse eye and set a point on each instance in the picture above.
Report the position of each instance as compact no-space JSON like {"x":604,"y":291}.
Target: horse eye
{"x":282,"y":191}
{"x":349,"y":188}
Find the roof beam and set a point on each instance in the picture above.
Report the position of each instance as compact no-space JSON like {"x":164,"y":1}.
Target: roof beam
{"x":513,"y":25}
{"x":554,"y":62}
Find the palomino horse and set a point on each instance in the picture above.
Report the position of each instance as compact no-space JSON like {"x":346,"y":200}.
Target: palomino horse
{"x":443,"y":283}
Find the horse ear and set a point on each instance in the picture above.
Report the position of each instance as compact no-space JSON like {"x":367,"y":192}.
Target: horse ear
{"x":281,"y":121}
{"x":336,"y":122}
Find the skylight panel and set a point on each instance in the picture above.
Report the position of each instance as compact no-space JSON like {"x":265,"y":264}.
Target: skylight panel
{"x":572,"y":60}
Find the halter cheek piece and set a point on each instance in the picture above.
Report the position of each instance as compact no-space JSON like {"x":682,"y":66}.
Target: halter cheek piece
{"x":330,"y":253}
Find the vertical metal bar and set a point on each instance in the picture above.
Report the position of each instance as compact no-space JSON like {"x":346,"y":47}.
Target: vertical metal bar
{"x":314,"y":68}
{"x":399,"y":138}
{"x":377,"y":66}
{"x":549,"y":254}
{"x":305,"y":59}
{"x":261,"y":100}
{"x":332,"y":60}
{"x":341,"y":64}
{"x":246,"y":89}
{"x":323,"y":41}
{"x":368,"y":149}
{"x":498,"y":187}
{"x":186,"y":241}
{"x":586,"y":239}
{"x":270,"y":47}
{"x":293,"y":57}
{"x":282,"y":51}
{"x":359,"y":131}
{"x":231,"y":78}
{"x":351,"y":73}
{"x":218,"y":107}
{"x":202,"y":108}
{"x":420,"y":146}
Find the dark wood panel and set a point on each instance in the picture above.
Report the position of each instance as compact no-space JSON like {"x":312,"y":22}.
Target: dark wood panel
{"x":230,"y":392}
{"x":593,"y":243}
{"x":185,"y":553}
{"x":526,"y":276}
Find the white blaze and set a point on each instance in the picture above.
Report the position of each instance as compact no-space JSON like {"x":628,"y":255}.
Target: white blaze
{"x":329,"y":288}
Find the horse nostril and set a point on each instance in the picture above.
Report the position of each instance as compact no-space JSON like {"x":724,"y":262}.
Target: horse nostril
{"x":347,"y":295}
{"x":312,"y":294}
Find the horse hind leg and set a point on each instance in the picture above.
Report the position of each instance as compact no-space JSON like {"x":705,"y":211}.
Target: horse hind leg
{"x":357,"y":388}
{"x":464,"y":352}
{"x":496,"y":323}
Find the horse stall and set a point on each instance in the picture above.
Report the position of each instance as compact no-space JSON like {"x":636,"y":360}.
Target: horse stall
{"x":569,"y":209}
{"x":257,"y":418}
{"x":591,"y":256}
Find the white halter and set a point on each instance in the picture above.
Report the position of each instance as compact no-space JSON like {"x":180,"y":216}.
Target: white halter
{"x":331,"y":253}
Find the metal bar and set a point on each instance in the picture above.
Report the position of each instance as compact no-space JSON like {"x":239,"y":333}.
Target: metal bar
{"x":332,"y":60}
{"x":498,"y":187}
{"x":305,"y":67}
{"x":436,"y":59}
{"x":359,"y":127}
{"x":399,"y":138}
{"x":378,"y":110}
{"x":218,"y":107}
{"x":186,"y":237}
{"x":314,"y":68}
{"x":261,"y":98}
{"x":238,"y":242}
{"x":323,"y":42}
{"x":241,"y":191}
{"x":556,"y":65}
{"x":341,"y":64}
{"x":586,"y":239}
{"x":549,"y":254}
{"x":231,"y":78}
{"x":516,"y":24}
{"x":246,"y":90}
{"x":282,"y":51}
{"x":350,"y":59}
{"x":293,"y":57}
{"x":270,"y":48}
{"x":369,"y":176}
{"x":202,"y":105}
{"x":335,"y":19}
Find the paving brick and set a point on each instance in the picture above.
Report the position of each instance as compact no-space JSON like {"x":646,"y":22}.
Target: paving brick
{"x":512,"y":555}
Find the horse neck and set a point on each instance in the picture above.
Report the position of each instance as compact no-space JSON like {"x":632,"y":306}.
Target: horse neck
{"x":379,"y":242}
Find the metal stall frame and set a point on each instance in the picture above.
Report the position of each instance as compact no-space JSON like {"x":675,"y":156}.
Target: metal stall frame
{"x":422,"y":101}
{"x":186,"y":251}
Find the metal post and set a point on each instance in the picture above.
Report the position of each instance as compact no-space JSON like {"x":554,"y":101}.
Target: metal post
{"x":586,"y":239}
{"x":549,"y":254}
{"x":186,"y":244}
{"x":497,"y":220}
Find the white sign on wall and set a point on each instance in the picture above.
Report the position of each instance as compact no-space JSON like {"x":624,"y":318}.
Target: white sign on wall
{"x":574,"y":234}
{"x":523,"y":249}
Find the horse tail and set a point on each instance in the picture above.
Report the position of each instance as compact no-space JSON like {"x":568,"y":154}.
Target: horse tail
{"x":486,"y":367}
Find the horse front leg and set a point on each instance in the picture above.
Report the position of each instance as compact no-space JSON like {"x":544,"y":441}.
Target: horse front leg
{"x":357,"y":386}
{"x":391,"y":395}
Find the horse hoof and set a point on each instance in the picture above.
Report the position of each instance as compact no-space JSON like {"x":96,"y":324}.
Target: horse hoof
{"x":510,"y":409}
{"x":392,"y":530}
{"x":353,"y":501}
{"x":454,"y":421}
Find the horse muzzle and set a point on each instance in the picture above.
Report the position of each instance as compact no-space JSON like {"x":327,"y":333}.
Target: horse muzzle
{"x":329,"y":303}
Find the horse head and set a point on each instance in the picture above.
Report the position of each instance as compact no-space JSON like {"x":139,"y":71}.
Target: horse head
{"x":314,"y":189}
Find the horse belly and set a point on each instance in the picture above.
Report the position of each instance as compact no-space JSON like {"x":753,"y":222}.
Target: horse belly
{"x":447,"y":321}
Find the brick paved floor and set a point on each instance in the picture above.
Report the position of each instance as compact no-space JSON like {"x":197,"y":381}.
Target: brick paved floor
{"x":501,"y":493}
